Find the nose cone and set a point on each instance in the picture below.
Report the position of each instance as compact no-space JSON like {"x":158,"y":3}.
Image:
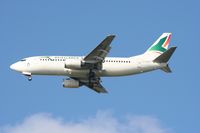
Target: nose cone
{"x":12,"y":66}
{"x":16,"y":67}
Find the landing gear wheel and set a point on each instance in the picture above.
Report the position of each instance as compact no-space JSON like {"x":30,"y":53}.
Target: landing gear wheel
{"x":91,"y":74}
{"x":29,"y":78}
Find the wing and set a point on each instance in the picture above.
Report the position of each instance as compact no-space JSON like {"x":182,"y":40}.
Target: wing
{"x":100,"y":52}
{"x":93,"y":84}
{"x":98,"y":88}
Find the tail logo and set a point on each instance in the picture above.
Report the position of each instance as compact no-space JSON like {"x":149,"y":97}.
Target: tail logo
{"x":161,"y":45}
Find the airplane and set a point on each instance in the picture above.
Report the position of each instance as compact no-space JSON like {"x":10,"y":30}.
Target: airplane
{"x":88,"y":70}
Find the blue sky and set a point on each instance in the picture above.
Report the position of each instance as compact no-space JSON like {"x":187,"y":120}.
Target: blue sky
{"x":167,"y":102}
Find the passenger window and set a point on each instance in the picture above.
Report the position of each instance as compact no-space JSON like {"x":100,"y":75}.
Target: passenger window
{"x":23,"y":60}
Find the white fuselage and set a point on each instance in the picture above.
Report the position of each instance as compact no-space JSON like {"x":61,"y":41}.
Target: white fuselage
{"x":111,"y":66}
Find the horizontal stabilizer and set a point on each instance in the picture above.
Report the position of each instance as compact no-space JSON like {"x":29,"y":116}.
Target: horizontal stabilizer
{"x":166,"y":69}
{"x":164,"y":58}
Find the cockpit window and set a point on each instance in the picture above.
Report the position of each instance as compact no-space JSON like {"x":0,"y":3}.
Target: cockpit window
{"x":23,"y":59}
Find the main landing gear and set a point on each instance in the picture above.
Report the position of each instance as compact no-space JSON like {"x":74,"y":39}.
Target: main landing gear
{"x":93,"y":78}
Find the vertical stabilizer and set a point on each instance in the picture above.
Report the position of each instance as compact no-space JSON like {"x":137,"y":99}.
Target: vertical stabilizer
{"x":161,"y":44}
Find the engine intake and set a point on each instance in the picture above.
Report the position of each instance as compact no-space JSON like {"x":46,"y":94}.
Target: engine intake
{"x":71,"y":83}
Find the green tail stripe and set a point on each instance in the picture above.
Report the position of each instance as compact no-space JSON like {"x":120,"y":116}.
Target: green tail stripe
{"x":158,"y":46}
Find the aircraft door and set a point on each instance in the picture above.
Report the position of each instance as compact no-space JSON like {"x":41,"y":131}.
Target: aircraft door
{"x":139,"y":66}
{"x":28,"y":65}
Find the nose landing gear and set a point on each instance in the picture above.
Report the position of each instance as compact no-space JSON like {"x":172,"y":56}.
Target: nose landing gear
{"x":29,"y":78}
{"x":28,"y":75}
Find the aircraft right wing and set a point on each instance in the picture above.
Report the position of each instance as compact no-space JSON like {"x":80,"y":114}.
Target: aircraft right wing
{"x":98,"y":88}
{"x":94,"y":84}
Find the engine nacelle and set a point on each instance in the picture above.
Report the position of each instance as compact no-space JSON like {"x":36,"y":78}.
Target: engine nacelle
{"x":73,"y":64}
{"x":71,"y":83}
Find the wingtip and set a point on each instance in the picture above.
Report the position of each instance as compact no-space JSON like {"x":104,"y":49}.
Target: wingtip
{"x":105,"y":92}
{"x":112,"y":35}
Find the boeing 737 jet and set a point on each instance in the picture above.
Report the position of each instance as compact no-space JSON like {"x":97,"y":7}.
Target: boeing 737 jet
{"x":88,"y":70}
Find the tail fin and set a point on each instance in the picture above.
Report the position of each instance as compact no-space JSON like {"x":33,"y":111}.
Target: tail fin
{"x":161,"y":44}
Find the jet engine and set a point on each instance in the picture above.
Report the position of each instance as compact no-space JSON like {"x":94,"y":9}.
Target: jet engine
{"x":71,"y":83}
{"x":73,"y":64}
